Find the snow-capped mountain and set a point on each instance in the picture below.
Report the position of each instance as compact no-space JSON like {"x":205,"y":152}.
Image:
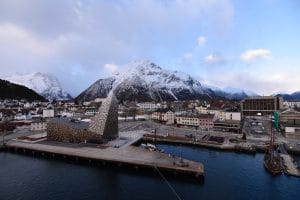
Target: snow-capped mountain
{"x":233,"y":90}
{"x":237,"y":93}
{"x":232,"y":93}
{"x":46,"y":85}
{"x":289,"y":97}
{"x":146,"y":81}
{"x":10,"y":90}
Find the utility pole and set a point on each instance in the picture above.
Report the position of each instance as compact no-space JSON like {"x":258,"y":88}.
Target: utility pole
{"x":3,"y":143}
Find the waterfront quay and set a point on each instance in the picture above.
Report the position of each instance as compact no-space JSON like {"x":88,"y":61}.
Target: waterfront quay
{"x":131,"y":156}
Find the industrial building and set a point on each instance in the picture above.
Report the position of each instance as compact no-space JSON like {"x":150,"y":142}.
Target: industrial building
{"x":265,"y":105}
{"x":228,"y":126}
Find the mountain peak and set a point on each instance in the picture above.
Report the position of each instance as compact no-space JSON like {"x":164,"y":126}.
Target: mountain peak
{"x":144,"y":80}
{"x":45,"y":84}
{"x":142,"y":67}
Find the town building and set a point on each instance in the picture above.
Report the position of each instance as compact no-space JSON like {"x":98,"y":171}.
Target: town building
{"x":22,"y":117}
{"x":187,"y":120}
{"x":202,"y":109}
{"x":290,"y":123}
{"x":48,"y":113}
{"x":232,"y":116}
{"x":149,"y":106}
{"x":91,"y":111}
{"x":165,"y":115}
{"x":39,"y":125}
{"x":227,"y":126}
{"x":265,"y":105}
{"x":292,"y":104}
{"x":204,"y":121}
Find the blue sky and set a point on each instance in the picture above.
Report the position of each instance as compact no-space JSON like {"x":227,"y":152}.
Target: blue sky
{"x":253,"y":45}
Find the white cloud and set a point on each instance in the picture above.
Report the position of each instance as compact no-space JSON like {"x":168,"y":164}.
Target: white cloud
{"x":20,"y":40}
{"x":201,"y":41}
{"x":61,"y":36}
{"x":212,"y":59}
{"x":111,"y":67}
{"x":255,"y":54}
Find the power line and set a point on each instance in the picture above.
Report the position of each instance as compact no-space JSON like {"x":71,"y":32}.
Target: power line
{"x":170,"y":186}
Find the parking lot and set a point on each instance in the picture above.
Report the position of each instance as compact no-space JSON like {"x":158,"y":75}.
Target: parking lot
{"x":171,"y":130}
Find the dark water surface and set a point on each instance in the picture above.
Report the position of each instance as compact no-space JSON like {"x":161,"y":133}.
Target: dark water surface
{"x":227,"y":176}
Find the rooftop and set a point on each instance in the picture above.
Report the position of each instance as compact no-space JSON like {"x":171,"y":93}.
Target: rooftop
{"x":193,"y":115}
{"x":73,"y":123}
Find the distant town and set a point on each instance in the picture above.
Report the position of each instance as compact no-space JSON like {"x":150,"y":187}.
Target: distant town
{"x":243,"y":126}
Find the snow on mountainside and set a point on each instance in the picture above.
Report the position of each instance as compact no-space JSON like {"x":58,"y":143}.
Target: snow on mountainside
{"x":46,"y":85}
{"x":238,"y":90}
{"x":289,"y":97}
{"x":232,"y":93}
{"x":146,"y":81}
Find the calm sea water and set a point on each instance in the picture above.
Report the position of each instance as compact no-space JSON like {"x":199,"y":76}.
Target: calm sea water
{"x":227,"y":176}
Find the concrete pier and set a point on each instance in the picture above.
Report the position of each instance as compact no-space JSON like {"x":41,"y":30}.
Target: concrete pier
{"x":226,"y":146}
{"x":130,"y":155}
{"x":289,"y":167}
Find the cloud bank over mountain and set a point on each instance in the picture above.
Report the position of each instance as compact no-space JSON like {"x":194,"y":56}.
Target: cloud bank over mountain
{"x":220,"y":41}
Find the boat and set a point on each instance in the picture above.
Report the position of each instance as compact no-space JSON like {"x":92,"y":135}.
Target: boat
{"x":149,"y":146}
{"x":272,"y":160}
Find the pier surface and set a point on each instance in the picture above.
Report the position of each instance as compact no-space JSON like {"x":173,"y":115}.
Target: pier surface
{"x":129,"y":155}
{"x":289,"y":167}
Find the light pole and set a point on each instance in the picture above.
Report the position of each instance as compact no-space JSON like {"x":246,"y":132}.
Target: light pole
{"x":3,"y":143}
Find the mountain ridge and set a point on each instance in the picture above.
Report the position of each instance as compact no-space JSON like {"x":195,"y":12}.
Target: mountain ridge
{"x":146,"y":81}
{"x":44,"y":84}
{"x":295,"y":96}
{"x":10,"y":90}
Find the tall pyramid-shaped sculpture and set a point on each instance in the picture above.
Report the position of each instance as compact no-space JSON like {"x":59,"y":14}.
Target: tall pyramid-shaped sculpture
{"x":105,"y":122}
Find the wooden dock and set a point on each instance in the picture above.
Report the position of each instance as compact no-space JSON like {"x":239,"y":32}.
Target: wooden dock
{"x":130,"y":156}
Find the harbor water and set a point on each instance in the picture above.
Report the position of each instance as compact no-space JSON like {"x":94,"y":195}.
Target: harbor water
{"x":228,"y":175}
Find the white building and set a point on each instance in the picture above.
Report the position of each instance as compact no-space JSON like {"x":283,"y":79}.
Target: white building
{"x":204,"y":121}
{"x":149,"y":106}
{"x":27,"y":105}
{"x":20,"y":117}
{"x":86,"y":103}
{"x":67,"y":114}
{"x":202,"y":109}
{"x":164,"y":115}
{"x":47,"y":113}
{"x":91,"y":111}
{"x":38,"y":126}
{"x":234,"y":116}
{"x":292,"y":104}
{"x":221,"y":115}
{"x":187,"y":120}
